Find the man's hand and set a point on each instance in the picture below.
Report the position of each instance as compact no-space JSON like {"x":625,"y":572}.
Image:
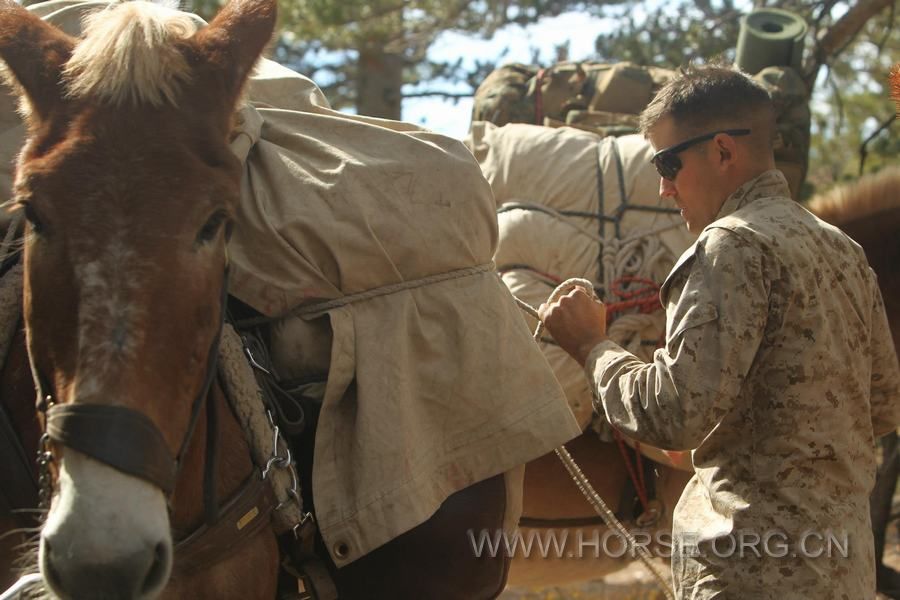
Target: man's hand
{"x":576,"y":321}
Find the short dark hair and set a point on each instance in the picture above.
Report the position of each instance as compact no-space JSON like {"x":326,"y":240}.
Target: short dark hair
{"x":711,"y":97}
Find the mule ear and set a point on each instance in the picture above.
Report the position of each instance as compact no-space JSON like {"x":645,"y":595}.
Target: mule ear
{"x":35,"y":53}
{"x":231,"y":44}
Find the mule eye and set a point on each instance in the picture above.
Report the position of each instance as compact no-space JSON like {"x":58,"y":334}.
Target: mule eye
{"x":209,"y":231}
{"x":31,"y":215}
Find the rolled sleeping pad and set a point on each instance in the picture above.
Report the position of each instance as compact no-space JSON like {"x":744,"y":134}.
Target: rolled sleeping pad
{"x":770,"y":37}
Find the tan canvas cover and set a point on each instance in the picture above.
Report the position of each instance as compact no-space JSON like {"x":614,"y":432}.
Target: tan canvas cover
{"x":540,"y":177}
{"x":433,"y":381}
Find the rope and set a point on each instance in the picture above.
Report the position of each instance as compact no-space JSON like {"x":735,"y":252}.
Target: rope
{"x":584,"y":485}
{"x":318,"y":309}
{"x":23,"y":582}
{"x":629,"y":268}
{"x":561,"y":216}
{"x":635,"y":472}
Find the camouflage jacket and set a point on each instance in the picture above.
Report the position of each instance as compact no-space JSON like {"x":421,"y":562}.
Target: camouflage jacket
{"x":779,"y":372}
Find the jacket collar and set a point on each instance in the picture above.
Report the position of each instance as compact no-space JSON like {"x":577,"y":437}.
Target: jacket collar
{"x":769,"y":184}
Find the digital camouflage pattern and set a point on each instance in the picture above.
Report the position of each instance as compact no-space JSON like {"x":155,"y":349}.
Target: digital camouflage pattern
{"x":779,"y":371}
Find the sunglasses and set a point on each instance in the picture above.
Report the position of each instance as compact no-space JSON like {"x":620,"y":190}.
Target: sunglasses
{"x":667,"y":162}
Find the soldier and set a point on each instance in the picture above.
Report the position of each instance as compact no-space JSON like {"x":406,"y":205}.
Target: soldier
{"x":778,"y":369}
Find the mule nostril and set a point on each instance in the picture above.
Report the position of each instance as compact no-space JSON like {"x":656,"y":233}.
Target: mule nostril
{"x":159,"y":569}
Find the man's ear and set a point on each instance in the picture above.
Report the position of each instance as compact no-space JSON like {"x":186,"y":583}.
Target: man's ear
{"x":726,"y":149}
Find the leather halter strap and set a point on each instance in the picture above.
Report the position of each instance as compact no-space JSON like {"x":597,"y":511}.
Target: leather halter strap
{"x":117,"y":436}
{"x":242,"y":516}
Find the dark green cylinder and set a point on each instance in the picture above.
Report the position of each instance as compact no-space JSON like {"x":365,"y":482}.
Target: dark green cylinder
{"x":770,"y":37}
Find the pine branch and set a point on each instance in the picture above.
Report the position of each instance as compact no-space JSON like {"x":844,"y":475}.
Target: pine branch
{"x":840,"y":35}
{"x":864,"y":150}
{"x":439,"y":94}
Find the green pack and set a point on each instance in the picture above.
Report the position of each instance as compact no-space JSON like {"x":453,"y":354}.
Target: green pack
{"x":606,"y":98}
{"x":600,"y":97}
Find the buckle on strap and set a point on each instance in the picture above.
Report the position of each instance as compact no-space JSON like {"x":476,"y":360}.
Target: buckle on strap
{"x":289,"y":411}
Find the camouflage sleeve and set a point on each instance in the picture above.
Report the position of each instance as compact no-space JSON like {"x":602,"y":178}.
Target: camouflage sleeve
{"x":712,"y":334}
{"x":885,"y":394}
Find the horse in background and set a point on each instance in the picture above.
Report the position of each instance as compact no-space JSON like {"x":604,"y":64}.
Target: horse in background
{"x":868,"y":210}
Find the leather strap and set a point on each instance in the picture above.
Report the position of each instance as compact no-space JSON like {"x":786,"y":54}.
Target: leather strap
{"x":243,"y":515}
{"x":312,"y":581}
{"x":117,"y":436}
{"x":291,"y":416}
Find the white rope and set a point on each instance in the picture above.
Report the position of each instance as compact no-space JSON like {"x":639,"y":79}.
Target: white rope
{"x":320,"y":308}
{"x":23,"y":582}
{"x":639,"y":254}
{"x":584,"y":485}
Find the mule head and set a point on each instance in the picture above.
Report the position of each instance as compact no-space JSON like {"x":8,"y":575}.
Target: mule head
{"x":128,"y":186}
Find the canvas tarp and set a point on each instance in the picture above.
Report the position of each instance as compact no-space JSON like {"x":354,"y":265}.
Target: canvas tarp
{"x":433,"y":381}
{"x":551,"y":186}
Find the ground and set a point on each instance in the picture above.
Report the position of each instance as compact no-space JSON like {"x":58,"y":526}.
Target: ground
{"x":633,"y":583}
{"x":636,"y":582}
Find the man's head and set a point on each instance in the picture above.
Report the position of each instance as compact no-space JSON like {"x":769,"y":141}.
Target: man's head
{"x":713,"y":129}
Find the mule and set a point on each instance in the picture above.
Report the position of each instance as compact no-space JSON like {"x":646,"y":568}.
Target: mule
{"x":128,"y":186}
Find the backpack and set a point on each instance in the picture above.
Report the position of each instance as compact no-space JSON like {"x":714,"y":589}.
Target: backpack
{"x":607,"y":99}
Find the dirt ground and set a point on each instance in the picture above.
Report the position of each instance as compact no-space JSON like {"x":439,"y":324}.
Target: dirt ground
{"x":636,"y":582}
{"x":632,"y":583}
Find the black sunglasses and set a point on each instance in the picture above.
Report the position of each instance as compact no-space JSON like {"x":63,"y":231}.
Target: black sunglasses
{"x":666,"y":160}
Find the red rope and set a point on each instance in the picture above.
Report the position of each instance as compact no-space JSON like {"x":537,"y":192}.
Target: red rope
{"x":637,"y":480}
{"x":645,"y":299}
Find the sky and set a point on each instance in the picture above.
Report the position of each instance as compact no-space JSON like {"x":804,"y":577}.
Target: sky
{"x":452,"y":118}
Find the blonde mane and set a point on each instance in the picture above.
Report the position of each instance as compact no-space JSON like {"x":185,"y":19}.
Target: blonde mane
{"x":870,"y":195}
{"x":126,"y":55}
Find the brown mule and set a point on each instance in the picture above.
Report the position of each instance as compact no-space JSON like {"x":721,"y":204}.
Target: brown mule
{"x":128,"y":187}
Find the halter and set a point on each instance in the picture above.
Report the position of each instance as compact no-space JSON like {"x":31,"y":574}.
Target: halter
{"x":127,"y":440}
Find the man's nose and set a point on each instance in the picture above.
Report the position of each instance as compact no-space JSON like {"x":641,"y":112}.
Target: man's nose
{"x":666,"y":188}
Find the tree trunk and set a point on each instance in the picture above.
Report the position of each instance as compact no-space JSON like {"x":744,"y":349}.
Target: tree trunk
{"x":379,"y":82}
